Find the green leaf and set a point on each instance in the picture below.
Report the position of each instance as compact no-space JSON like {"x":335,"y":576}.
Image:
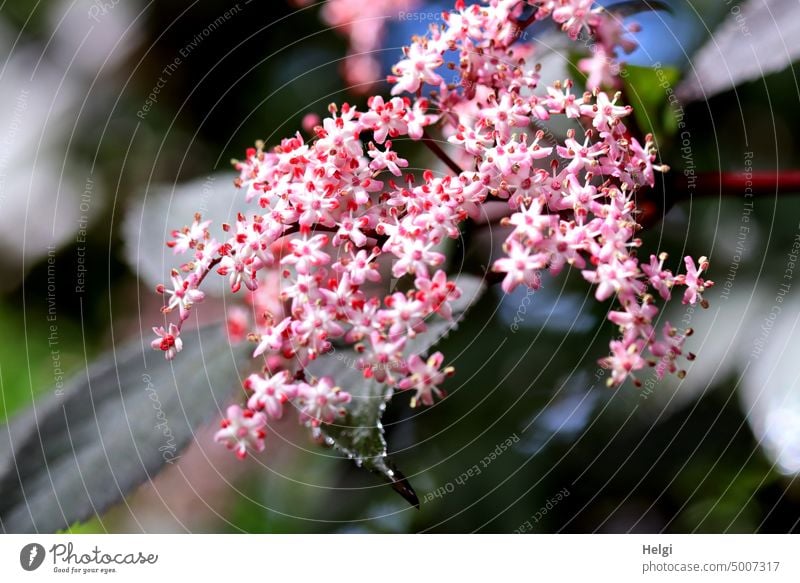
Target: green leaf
{"x":73,"y":455}
{"x":360,"y":434}
{"x":648,"y":90}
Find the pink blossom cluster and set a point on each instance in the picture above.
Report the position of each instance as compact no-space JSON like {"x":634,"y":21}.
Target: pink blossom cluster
{"x":337,"y":219}
{"x":602,"y":66}
{"x":328,"y":210}
{"x":572,"y":202}
{"x":363,"y":23}
{"x":602,"y":34}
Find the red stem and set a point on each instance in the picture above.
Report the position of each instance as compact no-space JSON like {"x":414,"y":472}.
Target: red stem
{"x":755,"y":182}
{"x":211,"y":266}
{"x":441,"y":154}
{"x":523,"y":24}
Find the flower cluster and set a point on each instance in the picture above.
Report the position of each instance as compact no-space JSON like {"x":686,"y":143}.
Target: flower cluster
{"x":336,"y":219}
{"x":362,"y":23}
{"x":572,"y":202}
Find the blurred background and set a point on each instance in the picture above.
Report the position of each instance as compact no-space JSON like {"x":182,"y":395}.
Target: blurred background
{"x":117,"y":115}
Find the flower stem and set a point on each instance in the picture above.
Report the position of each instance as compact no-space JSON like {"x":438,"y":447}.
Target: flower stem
{"x":441,"y":154}
{"x":523,"y":24}
{"x":200,"y":279}
{"x":211,"y":266}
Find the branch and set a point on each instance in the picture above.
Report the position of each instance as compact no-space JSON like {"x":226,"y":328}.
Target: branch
{"x":441,"y":154}
{"x":523,"y":24}
{"x":679,"y":188}
{"x":755,"y":182}
{"x":211,"y":266}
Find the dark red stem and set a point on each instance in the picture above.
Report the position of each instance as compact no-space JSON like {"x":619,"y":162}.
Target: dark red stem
{"x":523,"y":24}
{"x":755,"y":183}
{"x":441,"y":154}
{"x":214,"y":262}
{"x":211,"y":266}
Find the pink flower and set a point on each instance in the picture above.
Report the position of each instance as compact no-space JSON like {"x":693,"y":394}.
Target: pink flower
{"x":669,"y":349}
{"x":341,"y":295}
{"x":473,"y":139}
{"x":635,"y":321}
{"x":605,"y":113}
{"x":532,"y":222}
{"x":579,"y":197}
{"x":695,"y":285}
{"x":404,"y":315}
{"x":615,"y":277}
{"x":575,"y":16}
{"x":361,"y":266}
{"x":624,"y":360}
{"x":643,"y":165}
{"x":659,"y":278}
{"x":425,"y":378}
{"x":385,"y":119}
{"x":508,"y":112}
{"x":561,"y":100}
{"x":601,"y":68}
{"x":242,"y":430}
{"x":351,"y":228}
{"x":188,"y":237}
{"x":581,"y":156}
{"x":272,"y":338}
{"x":417,"y":68}
{"x":386,"y":160}
{"x":321,"y":402}
{"x":437,"y":293}
{"x":307,"y":253}
{"x":382,"y":356}
{"x":414,"y":254}
{"x":240,"y":269}
{"x":339,"y":133}
{"x":183,"y":295}
{"x":522,"y":266}
{"x":417,"y":119}
{"x":270,"y":394}
{"x":168,"y":341}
